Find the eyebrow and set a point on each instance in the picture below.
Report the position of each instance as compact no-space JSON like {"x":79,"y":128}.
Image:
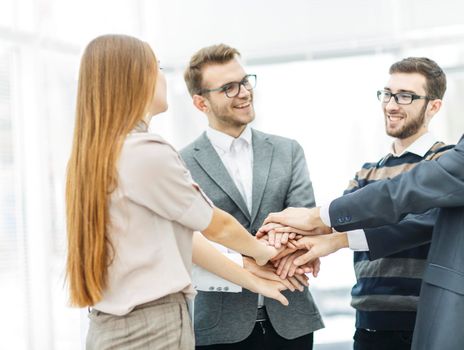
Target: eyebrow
{"x":231,"y":82}
{"x":401,"y":90}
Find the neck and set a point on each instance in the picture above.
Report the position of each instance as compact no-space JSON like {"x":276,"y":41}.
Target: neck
{"x":399,"y":145}
{"x":233,"y":131}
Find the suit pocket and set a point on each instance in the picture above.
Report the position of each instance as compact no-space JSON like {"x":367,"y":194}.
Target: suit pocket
{"x":208,"y":310}
{"x":445,"y":277}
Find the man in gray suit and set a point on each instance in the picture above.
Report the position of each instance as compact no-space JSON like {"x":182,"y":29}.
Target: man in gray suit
{"x":432,"y":184}
{"x":248,"y":174}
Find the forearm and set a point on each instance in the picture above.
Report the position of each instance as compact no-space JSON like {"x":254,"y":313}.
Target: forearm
{"x":209,"y":258}
{"x":226,"y":230}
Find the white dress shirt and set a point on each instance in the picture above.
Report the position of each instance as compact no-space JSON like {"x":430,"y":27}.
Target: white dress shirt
{"x":237,"y":156}
{"x":357,"y":238}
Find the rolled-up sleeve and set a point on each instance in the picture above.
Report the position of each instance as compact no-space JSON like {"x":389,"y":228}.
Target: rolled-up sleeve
{"x":156,"y":178}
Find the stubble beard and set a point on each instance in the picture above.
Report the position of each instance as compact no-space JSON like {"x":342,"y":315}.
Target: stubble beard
{"x":410,"y":128}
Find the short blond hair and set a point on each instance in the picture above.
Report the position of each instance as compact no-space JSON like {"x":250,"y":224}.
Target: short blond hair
{"x":215,"y":54}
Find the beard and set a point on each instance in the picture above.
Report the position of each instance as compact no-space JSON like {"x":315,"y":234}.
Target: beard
{"x":410,"y":128}
{"x":226,"y":116}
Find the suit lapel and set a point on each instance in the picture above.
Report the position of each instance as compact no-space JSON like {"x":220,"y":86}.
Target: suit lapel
{"x":262,"y":157}
{"x":211,"y":163}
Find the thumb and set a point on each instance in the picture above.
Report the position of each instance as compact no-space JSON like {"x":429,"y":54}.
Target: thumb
{"x":306,"y":257}
{"x":283,"y":300}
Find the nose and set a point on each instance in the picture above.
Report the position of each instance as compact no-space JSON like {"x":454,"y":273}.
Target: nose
{"x":391,"y":105}
{"x":243,"y":92}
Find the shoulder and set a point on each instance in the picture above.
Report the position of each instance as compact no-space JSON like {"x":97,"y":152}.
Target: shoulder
{"x":276,"y":140}
{"x":437,"y":150}
{"x":188,"y":151}
{"x":144,"y":151}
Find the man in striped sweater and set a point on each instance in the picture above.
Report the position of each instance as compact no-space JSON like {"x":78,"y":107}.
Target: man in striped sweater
{"x":387,"y":290}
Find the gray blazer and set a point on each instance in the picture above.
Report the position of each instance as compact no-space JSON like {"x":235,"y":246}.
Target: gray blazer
{"x":280,"y":180}
{"x":436,"y":183}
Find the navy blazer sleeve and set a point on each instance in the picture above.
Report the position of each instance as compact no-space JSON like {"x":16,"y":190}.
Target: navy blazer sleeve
{"x":390,"y":239}
{"x":431,"y":184}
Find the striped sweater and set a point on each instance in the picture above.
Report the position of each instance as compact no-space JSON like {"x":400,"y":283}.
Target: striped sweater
{"x":387,"y":290}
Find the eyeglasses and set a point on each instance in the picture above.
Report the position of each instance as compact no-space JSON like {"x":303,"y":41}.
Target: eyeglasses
{"x":233,"y":89}
{"x":401,"y":98}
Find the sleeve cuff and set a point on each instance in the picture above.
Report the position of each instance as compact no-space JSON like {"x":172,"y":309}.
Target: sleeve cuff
{"x":324,"y":214}
{"x":198,"y":216}
{"x":357,"y":240}
{"x":208,"y":282}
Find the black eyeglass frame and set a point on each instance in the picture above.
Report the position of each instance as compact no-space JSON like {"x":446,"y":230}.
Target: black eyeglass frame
{"x":224,"y":87}
{"x":395,"y":96}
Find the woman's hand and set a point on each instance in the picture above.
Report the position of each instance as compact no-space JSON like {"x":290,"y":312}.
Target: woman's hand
{"x":270,"y":289}
{"x":269,"y":272}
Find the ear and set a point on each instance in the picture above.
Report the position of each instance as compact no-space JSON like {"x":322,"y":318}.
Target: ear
{"x":201,"y":103}
{"x":434,"y":107}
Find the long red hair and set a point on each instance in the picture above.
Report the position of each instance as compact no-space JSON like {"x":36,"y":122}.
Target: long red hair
{"x":117,"y":78}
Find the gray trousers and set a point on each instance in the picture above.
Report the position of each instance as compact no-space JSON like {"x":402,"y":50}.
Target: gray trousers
{"x":161,"y":324}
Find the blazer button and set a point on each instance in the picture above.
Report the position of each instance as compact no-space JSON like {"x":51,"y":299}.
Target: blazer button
{"x":340,"y":220}
{"x":211,"y":288}
{"x":226,"y":288}
{"x":347,"y":218}
{"x":218,"y":289}
{"x":253,"y":232}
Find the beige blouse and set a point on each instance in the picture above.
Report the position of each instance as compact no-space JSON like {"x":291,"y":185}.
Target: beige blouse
{"x":153,"y":214}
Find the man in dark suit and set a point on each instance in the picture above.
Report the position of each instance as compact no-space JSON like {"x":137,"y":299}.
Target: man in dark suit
{"x":248,"y":174}
{"x":431,"y":184}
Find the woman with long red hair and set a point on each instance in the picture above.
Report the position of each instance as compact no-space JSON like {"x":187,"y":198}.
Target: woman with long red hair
{"x":132,"y":209}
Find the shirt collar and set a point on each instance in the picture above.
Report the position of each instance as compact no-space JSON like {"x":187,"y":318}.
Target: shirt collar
{"x":224,"y":141}
{"x":419,"y":147}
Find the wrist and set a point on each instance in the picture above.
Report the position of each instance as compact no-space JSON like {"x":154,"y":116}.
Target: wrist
{"x":340,"y":240}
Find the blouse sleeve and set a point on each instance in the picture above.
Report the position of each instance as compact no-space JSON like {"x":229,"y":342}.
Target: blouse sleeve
{"x":154,"y":176}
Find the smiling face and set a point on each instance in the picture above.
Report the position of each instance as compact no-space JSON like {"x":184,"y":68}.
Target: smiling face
{"x":405,"y":121}
{"x":229,"y":115}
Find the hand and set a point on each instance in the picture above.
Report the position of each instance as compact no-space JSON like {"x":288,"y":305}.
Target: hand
{"x":270,"y":289}
{"x":300,"y":218}
{"x":277,"y":239}
{"x":319,"y":246}
{"x":269,"y":272}
{"x":297,"y":232}
{"x":286,"y":267}
{"x":266,"y":253}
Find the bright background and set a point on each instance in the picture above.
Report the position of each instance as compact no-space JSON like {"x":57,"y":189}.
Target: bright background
{"x":319,"y":63}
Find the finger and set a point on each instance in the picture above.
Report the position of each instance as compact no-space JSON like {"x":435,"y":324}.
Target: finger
{"x":304,"y":258}
{"x":307,"y":269}
{"x":271,"y":237}
{"x":291,"y":245}
{"x":303,"y":279}
{"x":268,"y":227}
{"x":288,"y":284}
{"x":282,"y":299}
{"x":278,"y":240}
{"x":285,"y":269}
{"x":292,"y":269}
{"x":317,"y":267}
{"x":284,"y":239}
{"x":260,"y":234}
{"x":281,"y":265}
{"x":270,"y":218}
{"x":296,"y":283}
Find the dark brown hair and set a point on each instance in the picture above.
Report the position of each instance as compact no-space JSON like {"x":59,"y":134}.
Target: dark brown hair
{"x":435,"y":86}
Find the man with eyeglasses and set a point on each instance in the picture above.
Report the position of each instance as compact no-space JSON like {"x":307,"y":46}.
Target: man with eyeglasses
{"x":386,"y":293}
{"x":248,"y":174}
{"x":387,"y":289}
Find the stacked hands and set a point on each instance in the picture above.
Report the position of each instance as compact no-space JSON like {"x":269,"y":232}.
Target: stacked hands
{"x":300,"y":238}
